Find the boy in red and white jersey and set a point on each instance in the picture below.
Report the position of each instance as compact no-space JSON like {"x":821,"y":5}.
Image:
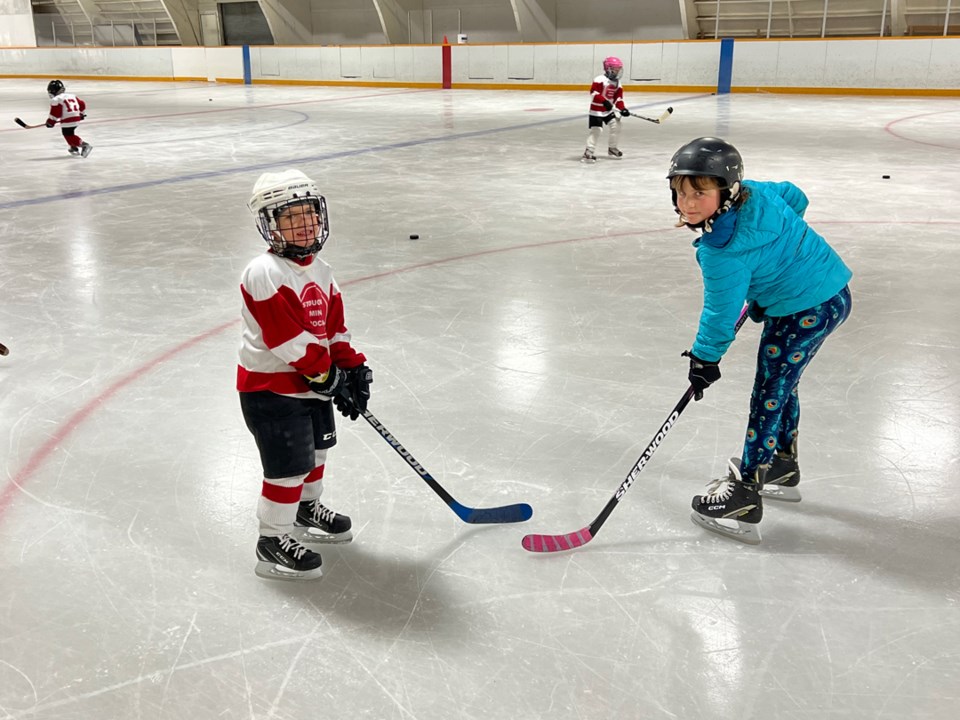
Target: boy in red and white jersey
{"x":606,"y":93}
{"x":68,"y":110}
{"x":296,"y":363}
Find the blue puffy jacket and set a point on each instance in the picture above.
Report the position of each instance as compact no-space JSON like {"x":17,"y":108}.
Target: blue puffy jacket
{"x":766,"y":253}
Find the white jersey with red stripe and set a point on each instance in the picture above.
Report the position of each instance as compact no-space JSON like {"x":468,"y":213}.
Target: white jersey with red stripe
{"x":603,"y":88}
{"x":293,"y":325}
{"x":66,"y":108}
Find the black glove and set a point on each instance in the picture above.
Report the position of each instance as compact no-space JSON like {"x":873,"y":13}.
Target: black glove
{"x":353,"y":400}
{"x":625,"y":112}
{"x":83,"y":116}
{"x":330,"y":384}
{"x":51,"y":123}
{"x":702,"y":374}
{"x":607,"y":105}
{"x":756,"y":313}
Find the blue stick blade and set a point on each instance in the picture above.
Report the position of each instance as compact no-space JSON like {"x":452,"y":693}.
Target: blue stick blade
{"x":506,"y":514}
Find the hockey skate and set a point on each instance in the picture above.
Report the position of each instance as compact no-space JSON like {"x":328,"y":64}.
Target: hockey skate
{"x":783,"y":477}
{"x":73,"y":150}
{"x":85,"y":149}
{"x":283,"y":558}
{"x":614,"y":153}
{"x":319,"y":524}
{"x":732,"y":508}
{"x":588,"y":157}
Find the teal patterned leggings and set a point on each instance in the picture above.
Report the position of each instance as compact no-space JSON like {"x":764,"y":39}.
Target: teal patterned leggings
{"x":787,"y":345}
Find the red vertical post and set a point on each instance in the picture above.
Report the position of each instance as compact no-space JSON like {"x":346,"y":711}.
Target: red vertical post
{"x":447,"y":64}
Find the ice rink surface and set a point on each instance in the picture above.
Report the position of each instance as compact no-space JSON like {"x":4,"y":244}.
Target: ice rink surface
{"x":526,"y":348}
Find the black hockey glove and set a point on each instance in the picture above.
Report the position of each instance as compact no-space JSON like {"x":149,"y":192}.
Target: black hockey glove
{"x":330,"y":384}
{"x":702,"y":374}
{"x":51,"y":123}
{"x":83,"y":116}
{"x":756,"y":313}
{"x":625,"y":112}
{"x":608,"y":106}
{"x":353,"y":400}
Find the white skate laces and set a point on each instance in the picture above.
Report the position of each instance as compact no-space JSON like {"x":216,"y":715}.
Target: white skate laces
{"x":291,"y":546}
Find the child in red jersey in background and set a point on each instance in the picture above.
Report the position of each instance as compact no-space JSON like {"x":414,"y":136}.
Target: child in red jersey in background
{"x":68,"y":110}
{"x":606,"y":93}
{"x":296,"y":363}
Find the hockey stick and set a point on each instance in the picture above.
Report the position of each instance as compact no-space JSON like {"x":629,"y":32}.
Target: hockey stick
{"x":556,"y":543}
{"x":504,"y":514}
{"x":4,"y":350}
{"x":22,"y":124}
{"x":666,"y":113}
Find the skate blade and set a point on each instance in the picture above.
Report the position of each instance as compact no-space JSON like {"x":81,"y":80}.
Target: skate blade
{"x":781,"y":492}
{"x":272,"y":571}
{"x":743,"y":532}
{"x":313,"y":536}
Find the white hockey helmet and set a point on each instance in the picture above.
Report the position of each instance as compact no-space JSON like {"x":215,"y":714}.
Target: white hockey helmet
{"x":276,"y":191}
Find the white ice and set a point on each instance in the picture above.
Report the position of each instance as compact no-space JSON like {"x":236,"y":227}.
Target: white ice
{"x":525,"y":349}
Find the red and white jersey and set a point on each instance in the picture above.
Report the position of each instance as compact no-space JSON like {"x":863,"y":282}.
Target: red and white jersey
{"x":66,"y":107}
{"x":605,"y":89}
{"x":293,"y":325}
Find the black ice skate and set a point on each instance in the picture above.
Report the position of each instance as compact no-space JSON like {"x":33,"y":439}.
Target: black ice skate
{"x":783,"y":477}
{"x":588,"y":157}
{"x":731,"y":507}
{"x":283,"y":558}
{"x":73,"y":150}
{"x":614,"y":153}
{"x":318,"y":524}
{"x":85,"y":149}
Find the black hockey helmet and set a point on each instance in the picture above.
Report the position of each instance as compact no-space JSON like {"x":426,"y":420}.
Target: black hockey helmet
{"x":710,"y":157}
{"x":54,"y":88}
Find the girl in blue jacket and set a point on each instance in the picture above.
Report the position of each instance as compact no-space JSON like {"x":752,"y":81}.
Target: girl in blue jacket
{"x":756,"y":248}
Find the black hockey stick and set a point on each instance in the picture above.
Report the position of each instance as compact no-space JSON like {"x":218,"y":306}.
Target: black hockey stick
{"x":568,"y":541}
{"x":505,"y":514}
{"x":663,"y":116}
{"x":22,"y":124}
{"x":4,"y":350}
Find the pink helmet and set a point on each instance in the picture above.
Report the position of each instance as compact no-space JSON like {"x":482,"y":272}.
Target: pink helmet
{"x":613,"y":67}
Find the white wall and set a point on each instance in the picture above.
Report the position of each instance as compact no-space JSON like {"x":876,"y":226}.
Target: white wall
{"x":907,"y":64}
{"x":16,"y":28}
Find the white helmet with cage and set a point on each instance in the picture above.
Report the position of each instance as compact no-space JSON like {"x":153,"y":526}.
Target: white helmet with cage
{"x":275,"y":192}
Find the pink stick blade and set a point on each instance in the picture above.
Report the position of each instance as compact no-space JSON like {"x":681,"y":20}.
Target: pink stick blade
{"x":557,"y":543}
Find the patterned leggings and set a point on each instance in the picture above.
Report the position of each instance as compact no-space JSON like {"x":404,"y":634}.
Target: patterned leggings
{"x":787,"y":346}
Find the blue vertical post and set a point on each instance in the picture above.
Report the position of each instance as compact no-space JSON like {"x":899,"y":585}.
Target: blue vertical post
{"x":725,"y":73}
{"x":246,"y":66}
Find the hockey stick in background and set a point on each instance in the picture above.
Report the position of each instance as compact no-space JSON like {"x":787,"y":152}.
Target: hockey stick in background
{"x":22,"y":124}
{"x":4,"y":350}
{"x":666,"y":113}
{"x":556,"y":543}
{"x":505,"y":514}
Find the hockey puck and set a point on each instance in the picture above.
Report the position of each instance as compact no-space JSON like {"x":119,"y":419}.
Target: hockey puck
{"x":886,"y":177}
{"x":414,"y":237}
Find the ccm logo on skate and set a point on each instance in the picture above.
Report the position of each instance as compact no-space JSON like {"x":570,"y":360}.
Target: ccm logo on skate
{"x":647,"y":454}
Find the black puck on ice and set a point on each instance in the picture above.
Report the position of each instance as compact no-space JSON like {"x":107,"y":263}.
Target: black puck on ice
{"x":886,"y":177}
{"x":414,"y":237}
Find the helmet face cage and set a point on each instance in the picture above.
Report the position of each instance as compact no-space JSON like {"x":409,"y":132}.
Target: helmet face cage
{"x":268,"y":223}
{"x":54,"y":88}
{"x":613,"y":68}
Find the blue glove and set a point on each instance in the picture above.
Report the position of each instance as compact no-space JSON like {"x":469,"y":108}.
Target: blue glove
{"x":702,"y":373}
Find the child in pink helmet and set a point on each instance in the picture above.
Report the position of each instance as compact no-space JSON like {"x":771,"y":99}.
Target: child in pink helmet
{"x":606,"y":94}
